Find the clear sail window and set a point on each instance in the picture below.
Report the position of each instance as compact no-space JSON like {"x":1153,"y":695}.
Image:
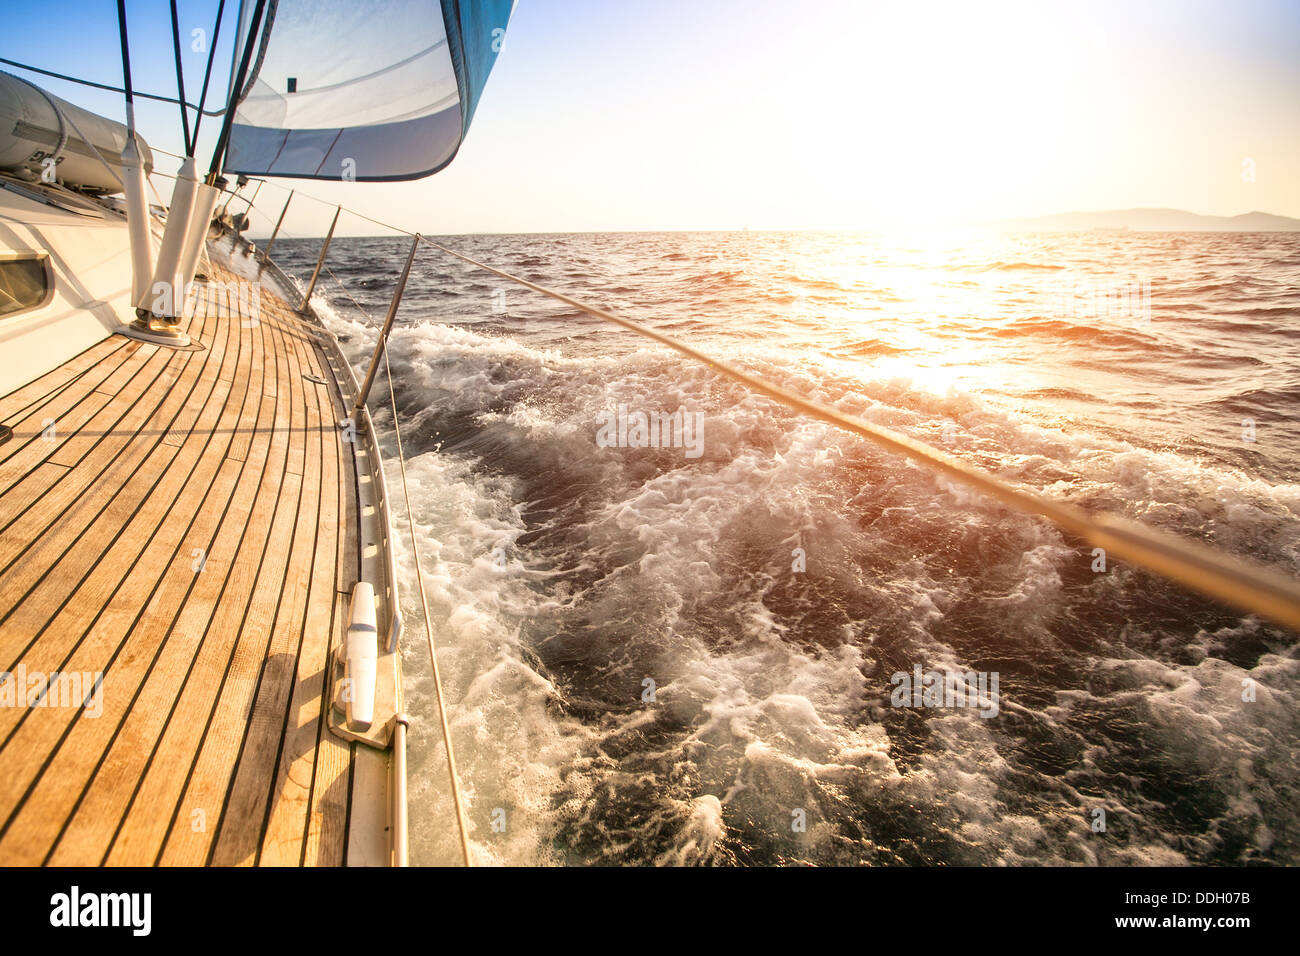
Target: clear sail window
{"x":25,"y":283}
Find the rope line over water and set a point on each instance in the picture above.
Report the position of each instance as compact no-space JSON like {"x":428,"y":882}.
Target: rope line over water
{"x":1244,"y":584}
{"x":1239,"y":582}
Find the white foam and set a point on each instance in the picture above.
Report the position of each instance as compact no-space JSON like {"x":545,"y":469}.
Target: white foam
{"x":772,"y":721}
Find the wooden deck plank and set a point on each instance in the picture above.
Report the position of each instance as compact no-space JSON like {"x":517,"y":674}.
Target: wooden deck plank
{"x":245,"y":810}
{"x":290,"y":809}
{"x":210,"y":777}
{"x":204,"y":634}
{"x":141,"y":833}
{"x":327,"y":829}
{"x":251,"y":795}
{"x":125,"y":635}
{"x":202,"y":769}
{"x":201,"y":308}
{"x":100,"y":440}
{"x":56,"y":554}
{"x":326,"y":839}
{"x":244,"y":437}
{"x":45,"y":815}
{"x":92,"y":576}
{"x":213,"y":744}
{"x":36,"y":439}
{"x":41,"y":389}
{"x":95,"y":821}
{"x":287,"y":827}
{"x":67,"y":409}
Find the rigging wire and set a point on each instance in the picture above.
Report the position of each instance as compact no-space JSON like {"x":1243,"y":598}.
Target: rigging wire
{"x":207,"y":74}
{"x":351,"y":212}
{"x":101,"y":86}
{"x":126,"y":68}
{"x":223,"y":139}
{"x":180,"y":82}
{"x":428,"y":629}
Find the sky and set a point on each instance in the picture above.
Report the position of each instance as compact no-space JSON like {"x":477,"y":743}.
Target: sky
{"x":821,"y":114}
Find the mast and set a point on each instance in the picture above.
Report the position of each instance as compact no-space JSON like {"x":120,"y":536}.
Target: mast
{"x":236,"y":86}
{"x":163,"y":301}
{"x":133,"y":185}
{"x":193,"y":203}
{"x":208,"y":193}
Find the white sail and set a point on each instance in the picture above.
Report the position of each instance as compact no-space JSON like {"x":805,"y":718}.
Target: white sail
{"x":361,"y":89}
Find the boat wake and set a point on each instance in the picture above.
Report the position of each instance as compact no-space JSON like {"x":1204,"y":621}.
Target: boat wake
{"x":659,"y":658}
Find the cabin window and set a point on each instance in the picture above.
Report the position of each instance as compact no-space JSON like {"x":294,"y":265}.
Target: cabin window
{"x":25,"y":283}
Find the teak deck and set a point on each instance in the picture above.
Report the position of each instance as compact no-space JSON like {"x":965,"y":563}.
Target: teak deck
{"x":183,"y":523}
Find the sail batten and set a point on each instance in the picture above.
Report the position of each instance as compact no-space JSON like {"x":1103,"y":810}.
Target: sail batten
{"x":366,"y":90}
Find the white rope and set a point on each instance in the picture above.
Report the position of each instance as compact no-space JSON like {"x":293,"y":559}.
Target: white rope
{"x":1244,"y":584}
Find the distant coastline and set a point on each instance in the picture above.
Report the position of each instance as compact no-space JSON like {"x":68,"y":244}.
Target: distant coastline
{"x":1153,"y":220}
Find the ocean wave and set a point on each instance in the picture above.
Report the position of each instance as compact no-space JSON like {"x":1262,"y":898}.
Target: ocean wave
{"x":563,"y":575}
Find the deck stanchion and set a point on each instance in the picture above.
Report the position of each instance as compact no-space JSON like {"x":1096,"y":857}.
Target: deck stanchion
{"x":266,"y":253}
{"x":400,"y":840}
{"x":253,"y":198}
{"x":364,"y":392}
{"x":311,"y":286}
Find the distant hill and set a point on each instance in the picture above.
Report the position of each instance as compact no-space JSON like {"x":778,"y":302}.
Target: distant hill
{"x":1155,"y":220}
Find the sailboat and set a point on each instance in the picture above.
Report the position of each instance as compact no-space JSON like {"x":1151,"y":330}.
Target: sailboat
{"x":199,"y":617}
